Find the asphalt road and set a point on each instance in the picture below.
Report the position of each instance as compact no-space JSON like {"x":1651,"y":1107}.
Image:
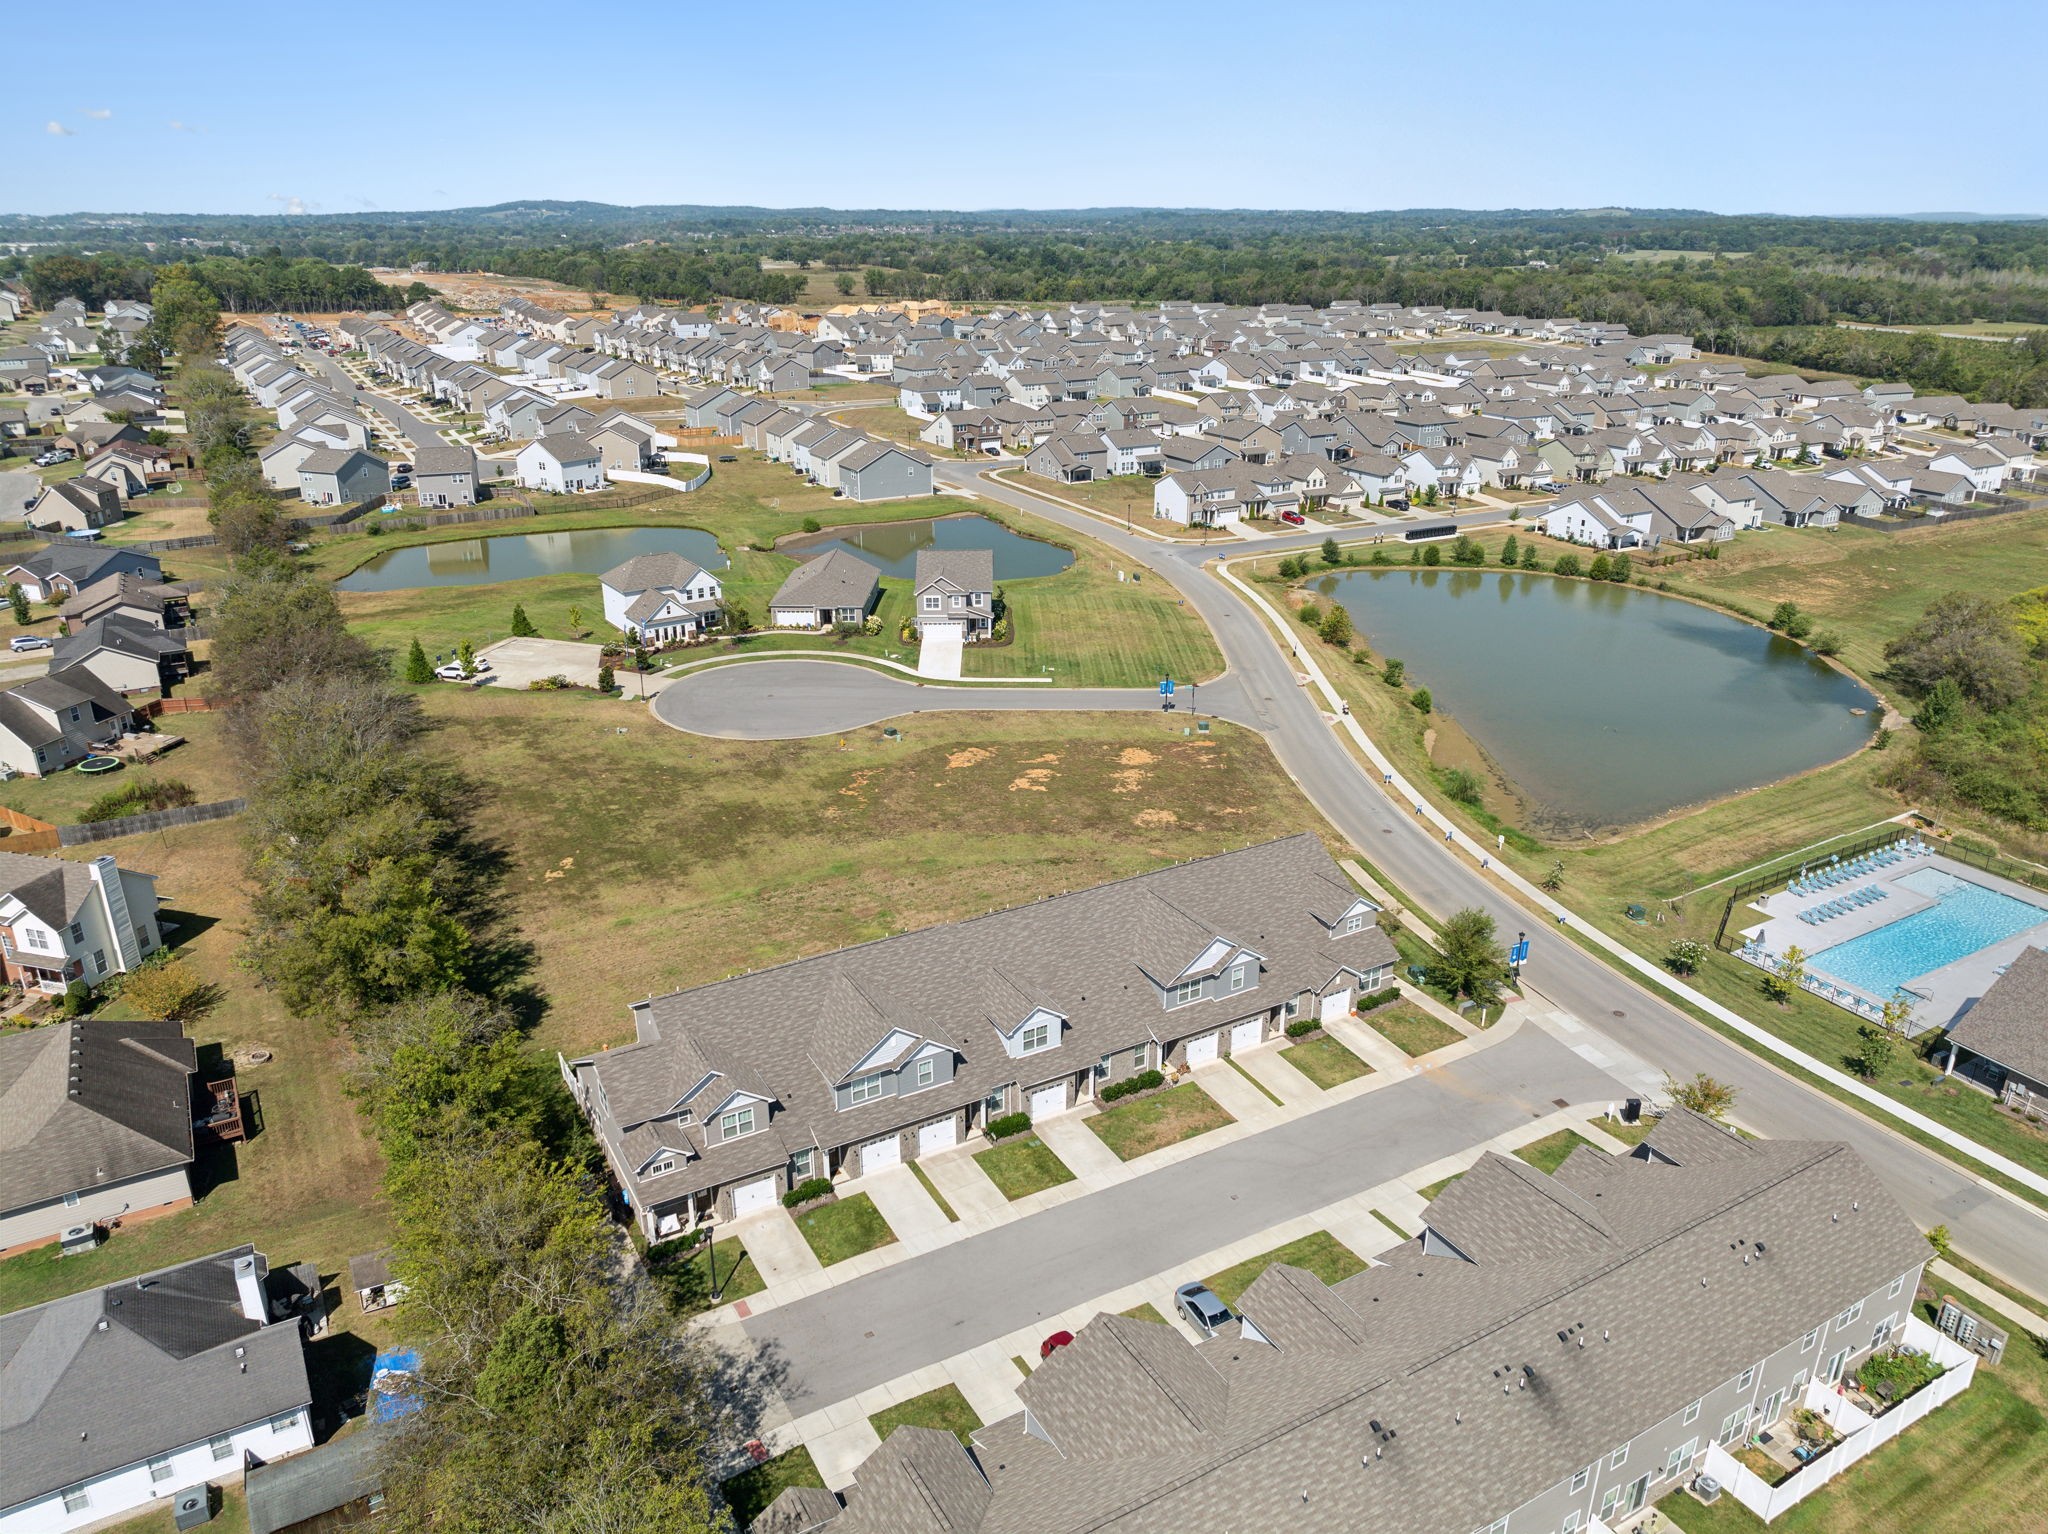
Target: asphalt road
{"x":1989,"y":1227}
{"x":419,"y":432}
{"x":795,"y":699}
{"x":861,"y":1333}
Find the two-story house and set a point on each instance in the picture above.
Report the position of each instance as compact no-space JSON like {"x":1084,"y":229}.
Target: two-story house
{"x":62,"y":920}
{"x":956,"y":586}
{"x":655,"y":598}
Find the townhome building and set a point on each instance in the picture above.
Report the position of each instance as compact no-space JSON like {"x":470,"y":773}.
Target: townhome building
{"x":1551,"y":1353}
{"x":845,"y":1063}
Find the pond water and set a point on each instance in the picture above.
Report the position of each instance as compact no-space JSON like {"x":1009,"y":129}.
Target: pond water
{"x":1607,"y":705}
{"x":892,"y":546}
{"x":521,"y":556}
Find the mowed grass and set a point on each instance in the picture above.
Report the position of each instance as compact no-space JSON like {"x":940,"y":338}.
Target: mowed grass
{"x":749,"y":1493}
{"x":1324,"y":1061}
{"x":1980,"y":1462}
{"x":944,"y":1409}
{"x":1152,"y":1123}
{"x":1410,"y":1029}
{"x":204,"y":763}
{"x":1144,"y":1310}
{"x":889,"y":424}
{"x":1548,"y":1153}
{"x":718,"y":1276}
{"x":1128,"y":496}
{"x":844,"y":1228}
{"x":306,"y":1188}
{"x":1023,"y":1166}
{"x":1319,"y":1252}
{"x":651,"y":861}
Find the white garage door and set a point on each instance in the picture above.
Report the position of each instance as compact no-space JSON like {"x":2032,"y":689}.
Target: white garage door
{"x":877,"y":1154}
{"x":943,"y":1135}
{"x":1202,"y":1051}
{"x":1244,"y":1035}
{"x":1049,"y":1100}
{"x":749,"y":1196}
{"x":1336,"y":1004}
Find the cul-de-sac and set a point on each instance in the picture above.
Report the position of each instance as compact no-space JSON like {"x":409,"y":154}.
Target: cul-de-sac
{"x":965,"y":775}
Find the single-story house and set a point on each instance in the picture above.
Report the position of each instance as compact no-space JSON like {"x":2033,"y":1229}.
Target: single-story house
{"x":836,"y":587}
{"x":2007,"y":1029}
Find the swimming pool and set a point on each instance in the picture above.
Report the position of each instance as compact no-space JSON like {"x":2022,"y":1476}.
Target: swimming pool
{"x":1965,"y":917}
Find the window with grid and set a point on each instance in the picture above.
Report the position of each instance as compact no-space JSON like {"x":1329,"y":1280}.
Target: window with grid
{"x":1038,"y":1036}
{"x":926,"y":1073}
{"x":76,"y":1500}
{"x":736,"y":1123}
{"x":221,"y":1446}
{"x":160,"y":1468}
{"x":865,"y":1090}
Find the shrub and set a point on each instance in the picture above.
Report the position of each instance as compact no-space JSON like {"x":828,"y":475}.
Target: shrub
{"x":1332,"y":554}
{"x":1393,"y":671}
{"x":813,"y":525}
{"x":1567,"y":564}
{"x":1467,"y":551}
{"x":1432,"y":555}
{"x":1373,"y":1000}
{"x":1310,"y":614}
{"x":605,"y":679}
{"x":417,"y":667}
{"x":77,"y":999}
{"x":1144,"y":1081}
{"x":1798,"y":626}
{"x":805,"y":1191}
{"x":1336,"y":627}
{"x":1511,"y":550}
{"x":1686,"y":956}
{"x":1530,"y":559}
{"x":136,"y":797}
{"x":1783,"y":614}
{"x":1415,"y":554}
{"x":1422,"y":700}
{"x":1462,"y":784}
{"x":1599,"y":570}
{"x":167,"y":988}
{"x":1361,"y":657}
{"x":1827,"y":642}
{"x":1381,"y":557}
{"x":1620,"y":569}
{"x":1304,"y":1025}
{"x":522,"y":626}
{"x":1006,"y":1126}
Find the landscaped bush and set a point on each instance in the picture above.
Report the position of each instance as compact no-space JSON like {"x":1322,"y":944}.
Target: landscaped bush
{"x":1144,"y":1081}
{"x":1009,"y":1124}
{"x":1304,"y":1025}
{"x":805,"y":1191}
{"x":1372,"y":1001}
{"x":1893,"y":1376}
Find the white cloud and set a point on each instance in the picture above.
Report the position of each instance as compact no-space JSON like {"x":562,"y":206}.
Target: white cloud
{"x":56,"y":129}
{"x":178,"y":127}
{"x":99,"y":114}
{"x":293,"y":204}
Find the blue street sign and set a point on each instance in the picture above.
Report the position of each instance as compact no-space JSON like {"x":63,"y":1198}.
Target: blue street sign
{"x":1519,"y":954}
{"x":1166,"y":688}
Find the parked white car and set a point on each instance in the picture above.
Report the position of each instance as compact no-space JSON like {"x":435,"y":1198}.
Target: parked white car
{"x":21,"y":642}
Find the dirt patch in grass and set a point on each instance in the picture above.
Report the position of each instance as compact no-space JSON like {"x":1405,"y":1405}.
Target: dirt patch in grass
{"x":1319,"y":1252}
{"x":844,"y":1228}
{"x":1022,"y":1167}
{"x":679,"y":860}
{"x":1410,"y":1029}
{"x":1151,"y":1123}
{"x":945,"y":1409}
{"x":1324,"y":1061}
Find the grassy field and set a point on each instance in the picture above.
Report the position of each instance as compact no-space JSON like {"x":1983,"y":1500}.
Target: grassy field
{"x":888,"y":423}
{"x":1129,"y":497}
{"x":651,"y":861}
{"x":1548,"y":1153}
{"x":1324,"y":1061}
{"x":1179,"y":1113}
{"x":844,"y":1228}
{"x":944,"y":1409}
{"x":1980,"y":1462}
{"x":1022,"y":1166}
{"x":1319,"y":1252}
{"x":749,"y":1492}
{"x":203,"y":763}
{"x":1410,"y":1029}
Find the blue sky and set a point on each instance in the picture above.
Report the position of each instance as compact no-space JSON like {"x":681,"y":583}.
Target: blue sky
{"x":236,"y":107}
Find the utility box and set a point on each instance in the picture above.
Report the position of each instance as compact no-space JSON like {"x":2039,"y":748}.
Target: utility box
{"x":193,"y":1507}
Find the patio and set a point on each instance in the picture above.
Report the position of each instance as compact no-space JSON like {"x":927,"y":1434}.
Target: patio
{"x":1834,"y":904}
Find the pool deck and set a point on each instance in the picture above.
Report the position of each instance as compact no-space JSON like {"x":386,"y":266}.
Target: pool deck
{"x":1945,"y":992}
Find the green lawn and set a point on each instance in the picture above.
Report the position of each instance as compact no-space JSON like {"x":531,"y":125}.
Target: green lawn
{"x":1177,"y":1114}
{"x":1548,"y":1153}
{"x":1022,"y":1166}
{"x":889,"y":424}
{"x":1629,"y":1134}
{"x":1324,"y":1061}
{"x":750,"y":1492}
{"x":688,"y":1283}
{"x":1435,"y":1188}
{"x":204,"y":763}
{"x":933,"y":1189}
{"x":1144,"y":1310}
{"x":1319,"y":1252}
{"x":1979,"y":1463}
{"x":1388,"y":1220}
{"x":844,"y":1228}
{"x":1129,"y":497}
{"x":945,"y":1409}
{"x":1410,"y":1029}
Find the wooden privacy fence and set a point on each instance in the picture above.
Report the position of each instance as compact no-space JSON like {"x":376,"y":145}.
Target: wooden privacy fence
{"x":25,"y":833}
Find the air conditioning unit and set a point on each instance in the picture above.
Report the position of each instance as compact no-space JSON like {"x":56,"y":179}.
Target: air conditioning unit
{"x":78,"y":1238}
{"x":1707,"y":1489}
{"x":193,"y":1507}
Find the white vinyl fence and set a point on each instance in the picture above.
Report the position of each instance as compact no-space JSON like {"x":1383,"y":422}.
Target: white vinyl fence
{"x":1861,"y":1433}
{"x":695,"y":482}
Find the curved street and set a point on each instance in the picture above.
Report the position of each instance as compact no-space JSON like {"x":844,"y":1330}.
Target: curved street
{"x":1990,"y":1226}
{"x":794,"y":699}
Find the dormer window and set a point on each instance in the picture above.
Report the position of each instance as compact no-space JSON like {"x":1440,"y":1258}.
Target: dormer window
{"x":867,"y":1088}
{"x":925,"y":1073}
{"x":1237,"y":976}
{"x":1034,"y":1038}
{"x":740,"y":1121}
{"x":1354,"y":923}
{"x":1187,"y":991}
{"x":660,"y":1168}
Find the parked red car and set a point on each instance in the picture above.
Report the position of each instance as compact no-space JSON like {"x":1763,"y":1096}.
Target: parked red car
{"x":1054,"y":1343}
{"x":1293,"y":516}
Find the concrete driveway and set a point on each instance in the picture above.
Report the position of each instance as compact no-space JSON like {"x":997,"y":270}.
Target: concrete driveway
{"x":794,"y":699}
{"x":516,"y":662}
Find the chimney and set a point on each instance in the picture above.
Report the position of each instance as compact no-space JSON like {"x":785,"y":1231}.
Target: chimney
{"x":250,"y":1288}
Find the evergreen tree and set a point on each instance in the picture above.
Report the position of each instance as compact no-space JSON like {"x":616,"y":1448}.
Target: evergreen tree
{"x":522,"y":626}
{"x":417,"y":667}
{"x":1510,"y":551}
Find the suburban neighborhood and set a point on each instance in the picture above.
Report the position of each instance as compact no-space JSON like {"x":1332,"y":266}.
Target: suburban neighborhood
{"x":829,"y":833}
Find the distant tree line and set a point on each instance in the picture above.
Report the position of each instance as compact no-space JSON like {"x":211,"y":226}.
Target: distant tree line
{"x":240,"y":285}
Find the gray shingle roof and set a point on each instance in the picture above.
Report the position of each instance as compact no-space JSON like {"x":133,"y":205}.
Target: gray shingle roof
{"x":87,"y":1103}
{"x":651,"y":572}
{"x":1677,"y":1273}
{"x":962,"y":569}
{"x":834,"y":579}
{"x":78,"y":1401}
{"x":2009,"y":1024}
